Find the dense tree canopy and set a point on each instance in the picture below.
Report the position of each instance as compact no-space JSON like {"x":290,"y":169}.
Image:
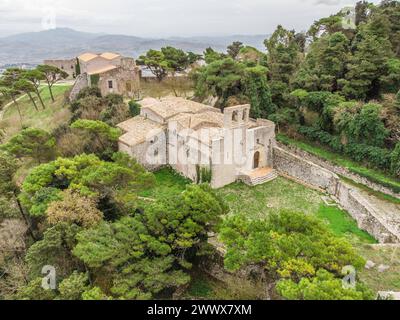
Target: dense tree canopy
{"x":289,"y":246}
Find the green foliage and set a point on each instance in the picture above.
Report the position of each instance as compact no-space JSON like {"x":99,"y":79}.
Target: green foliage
{"x":365,"y":126}
{"x":323,"y":287}
{"x":155,"y":61}
{"x":134,"y":108}
{"x":8,"y":168}
{"x":88,"y":175}
{"x":391,"y":81}
{"x":32,"y":143}
{"x":89,"y":91}
{"x":371,"y":155}
{"x":234,"y":49}
{"x":97,"y":129}
{"x":100,"y":138}
{"x":226,"y":78}
{"x":342,"y":224}
{"x":285,"y":117}
{"x":210,"y":55}
{"x":95,"y":294}
{"x":366,"y":67}
{"x":34,"y":291}
{"x":94,"y":79}
{"x":220,"y":78}
{"x":250,"y":55}
{"x":52,"y":75}
{"x":257,"y":90}
{"x":287,"y":245}
{"x":42,"y":199}
{"x":205,"y":175}
{"x":149,"y":252}
{"x":74,"y":286}
{"x":395,"y":160}
{"x":177,"y":60}
{"x":54,"y":250}
{"x":325,"y":64}
{"x":283,"y":61}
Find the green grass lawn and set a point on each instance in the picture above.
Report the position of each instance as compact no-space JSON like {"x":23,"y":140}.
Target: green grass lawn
{"x":341,"y":223}
{"x":283,"y":194}
{"x":386,"y":280}
{"x":181,"y":87}
{"x":372,"y":174}
{"x":279,"y":194}
{"x":55,"y":113}
{"x":168,"y":183}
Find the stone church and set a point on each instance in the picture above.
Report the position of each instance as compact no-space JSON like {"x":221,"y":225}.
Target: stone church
{"x":201,"y":142}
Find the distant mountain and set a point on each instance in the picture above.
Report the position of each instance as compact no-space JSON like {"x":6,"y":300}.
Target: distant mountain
{"x":34,"y":47}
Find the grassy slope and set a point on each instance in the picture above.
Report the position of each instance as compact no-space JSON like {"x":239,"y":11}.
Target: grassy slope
{"x":54,"y":114}
{"x":183,"y":88}
{"x":372,"y":174}
{"x":168,"y":184}
{"x":257,"y":202}
{"x":387,"y":280}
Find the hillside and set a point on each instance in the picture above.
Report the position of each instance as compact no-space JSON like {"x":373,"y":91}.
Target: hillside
{"x":66,"y":43}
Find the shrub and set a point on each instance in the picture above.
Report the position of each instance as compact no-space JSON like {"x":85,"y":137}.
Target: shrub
{"x":134,"y":108}
{"x":395,"y":160}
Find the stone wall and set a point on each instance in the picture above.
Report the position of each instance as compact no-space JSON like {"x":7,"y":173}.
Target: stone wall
{"x":68,"y":65}
{"x":303,"y":170}
{"x":368,"y":217}
{"x":80,"y":84}
{"x":339,"y":170}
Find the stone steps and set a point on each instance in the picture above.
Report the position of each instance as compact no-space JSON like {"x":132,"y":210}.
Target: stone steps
{"x":258,"y":177}
{"x":260,"y":180}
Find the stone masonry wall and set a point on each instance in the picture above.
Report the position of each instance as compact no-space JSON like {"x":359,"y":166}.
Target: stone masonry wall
{"x":80,"y":84}
{"x":339,"y":170}
{"x":368,"y":218}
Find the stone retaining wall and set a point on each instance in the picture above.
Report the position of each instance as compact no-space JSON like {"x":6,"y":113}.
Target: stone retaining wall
{"x":338,"y":170}
{"x":80,"y":84}
{"x":368,"y":218}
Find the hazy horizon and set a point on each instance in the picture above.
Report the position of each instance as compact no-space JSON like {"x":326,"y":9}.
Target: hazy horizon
{"x":156,"y":18}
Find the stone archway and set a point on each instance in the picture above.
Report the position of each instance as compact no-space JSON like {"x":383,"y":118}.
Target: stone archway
{"x":256,"y":160}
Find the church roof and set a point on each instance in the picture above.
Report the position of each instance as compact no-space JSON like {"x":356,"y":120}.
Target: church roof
{"x":137,"y":130}
{"x":172,"y":106}
{"x":87,"y":56}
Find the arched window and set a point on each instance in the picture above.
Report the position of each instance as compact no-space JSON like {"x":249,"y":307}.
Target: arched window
{"x":235,"y":116}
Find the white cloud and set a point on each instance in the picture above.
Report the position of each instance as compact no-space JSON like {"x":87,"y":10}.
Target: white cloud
{"x":166,"y":18}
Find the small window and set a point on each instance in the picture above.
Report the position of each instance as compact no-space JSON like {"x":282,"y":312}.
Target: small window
{"x":258,"y":141}
{"x":62,"y":67}
{"x":110,"y":84}
{"x":156,"y":152}
{"x":234,"y":116}
{"x":244,"y":116}
{"x":72,"y":67}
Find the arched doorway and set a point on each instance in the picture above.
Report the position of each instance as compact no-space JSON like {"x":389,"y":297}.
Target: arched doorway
{"x":256,"y":162}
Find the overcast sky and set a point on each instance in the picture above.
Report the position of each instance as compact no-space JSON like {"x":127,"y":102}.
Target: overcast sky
{"x":163,"y":18}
